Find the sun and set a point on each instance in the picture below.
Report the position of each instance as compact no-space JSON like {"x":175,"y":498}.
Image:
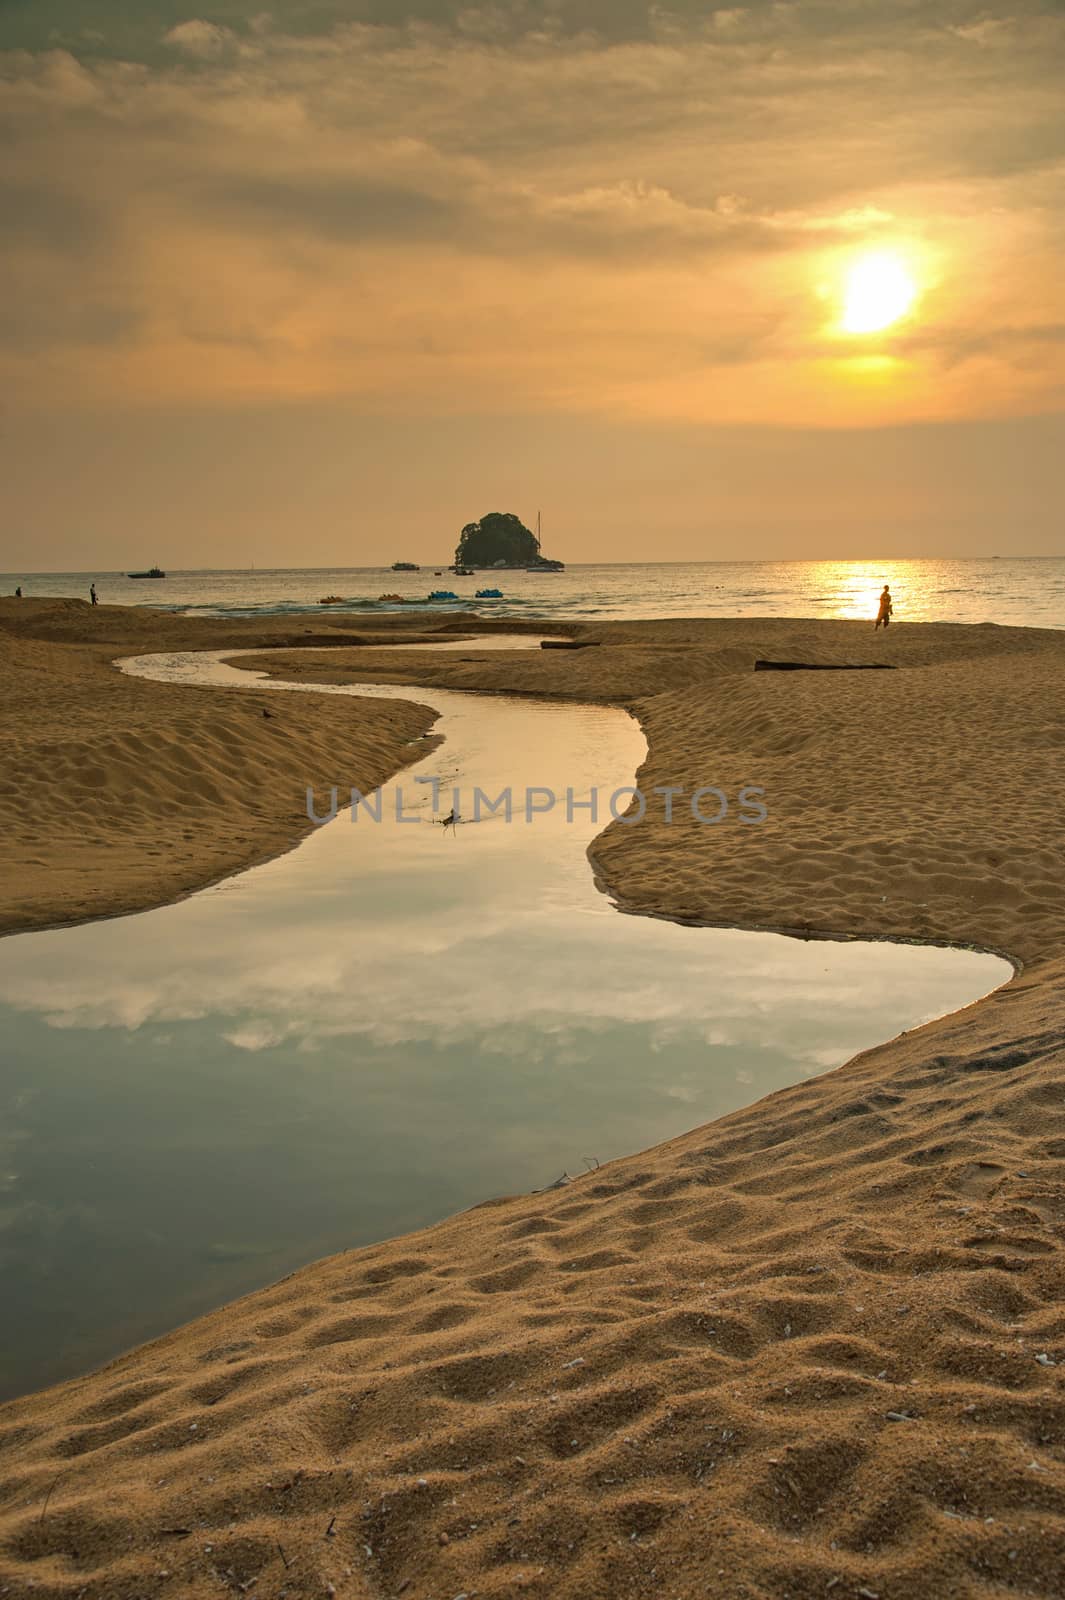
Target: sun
{"x":879,"y":291}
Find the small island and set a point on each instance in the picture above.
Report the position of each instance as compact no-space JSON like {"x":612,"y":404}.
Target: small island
{"x":501,"y":540}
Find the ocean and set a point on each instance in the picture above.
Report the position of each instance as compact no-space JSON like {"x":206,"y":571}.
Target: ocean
{"x":1026,"y":591}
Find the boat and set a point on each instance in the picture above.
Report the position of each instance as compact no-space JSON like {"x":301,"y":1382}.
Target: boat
{"x":489,"y":594}
{"x":331,"y":600}
{"x":405,"y":566}
{"x":153,"y":572}
{"x":461,"y":572}
{"x":442,"y":594}
{"x":544,"y":563}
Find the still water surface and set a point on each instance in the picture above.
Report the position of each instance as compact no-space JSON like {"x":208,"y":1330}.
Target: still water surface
{"x":385,"y":1025}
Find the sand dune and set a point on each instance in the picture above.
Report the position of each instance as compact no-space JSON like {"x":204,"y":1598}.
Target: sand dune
{"x":813,"y":1349}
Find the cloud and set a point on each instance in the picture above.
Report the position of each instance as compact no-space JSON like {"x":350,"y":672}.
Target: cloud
{"x":987,"y":32}
{"x":58,"y":220}
{"x":337,"y":206}
{"x":204,"y":40}
{"x":615,"y":207}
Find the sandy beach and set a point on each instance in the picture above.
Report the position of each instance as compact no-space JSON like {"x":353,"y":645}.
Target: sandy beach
{"x":119,"y":794}
{"x":815,"y":1348}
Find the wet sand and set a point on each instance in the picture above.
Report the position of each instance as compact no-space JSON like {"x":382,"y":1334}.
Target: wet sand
{"x":813,"y":1348}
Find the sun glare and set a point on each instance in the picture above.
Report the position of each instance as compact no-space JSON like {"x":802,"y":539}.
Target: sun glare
{"x":879,"y":291}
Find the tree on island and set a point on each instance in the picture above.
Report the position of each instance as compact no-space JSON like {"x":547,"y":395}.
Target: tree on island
{"x":500,"y":536}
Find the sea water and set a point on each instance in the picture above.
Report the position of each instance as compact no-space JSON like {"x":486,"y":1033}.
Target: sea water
{"x":1027,"y":591}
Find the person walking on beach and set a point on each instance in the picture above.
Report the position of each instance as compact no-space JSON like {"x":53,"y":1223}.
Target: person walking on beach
{"x":92,"y":593}
{"x":18,"y":592}
{"x":886,"y":608}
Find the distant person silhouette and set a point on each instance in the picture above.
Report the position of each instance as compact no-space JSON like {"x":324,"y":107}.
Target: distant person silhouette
{"x":92,"y":594}
{"x":18,"y":592}
{"x":886,"y":608}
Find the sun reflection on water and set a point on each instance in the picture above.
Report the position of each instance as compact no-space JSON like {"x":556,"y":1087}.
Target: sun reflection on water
{"x":851,"y":589}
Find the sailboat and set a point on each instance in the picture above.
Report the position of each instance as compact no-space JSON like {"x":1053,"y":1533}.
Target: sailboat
{"x":542,"y":564}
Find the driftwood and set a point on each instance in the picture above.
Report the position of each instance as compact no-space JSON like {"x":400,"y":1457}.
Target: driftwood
{"x":824,"y":666}
{"x":569,"y":644}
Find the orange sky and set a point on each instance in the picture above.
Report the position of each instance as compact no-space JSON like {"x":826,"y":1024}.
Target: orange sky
{"x":288,"y":281}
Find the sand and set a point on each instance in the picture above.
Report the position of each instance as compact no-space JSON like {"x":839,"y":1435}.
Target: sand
{"x":117,"y":794}
{"x":924,"y":802}
{"x":815,"y":1348}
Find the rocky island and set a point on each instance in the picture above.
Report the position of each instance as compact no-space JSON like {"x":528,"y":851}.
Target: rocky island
{"x":502,"y":540}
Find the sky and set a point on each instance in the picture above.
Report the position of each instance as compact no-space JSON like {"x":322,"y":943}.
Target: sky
{"x":317,"y":284}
